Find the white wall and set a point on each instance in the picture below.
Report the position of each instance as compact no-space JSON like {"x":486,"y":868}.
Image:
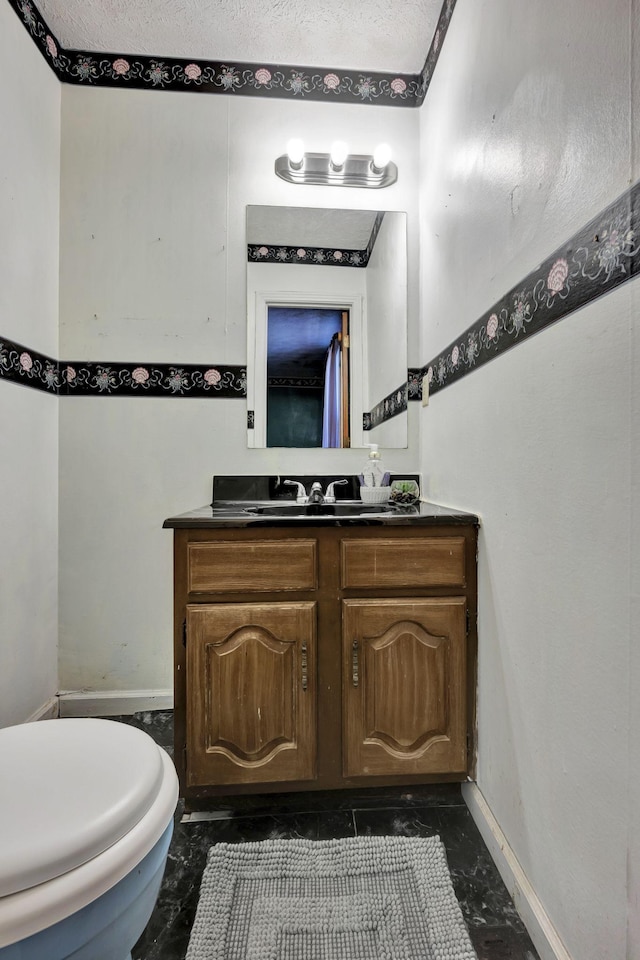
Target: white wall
{"x":531,"y":107}
{"x":633,"y":670}
{"x":29,"y":181}
{"x":386,"y":309}
{"x":154,"y":189}
{"x":305,"y":279}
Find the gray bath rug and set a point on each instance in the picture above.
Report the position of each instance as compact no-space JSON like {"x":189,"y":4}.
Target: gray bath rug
{"x":363,"y":898}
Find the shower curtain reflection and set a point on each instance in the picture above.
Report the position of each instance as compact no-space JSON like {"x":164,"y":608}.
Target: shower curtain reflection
{"x":331,"y":414}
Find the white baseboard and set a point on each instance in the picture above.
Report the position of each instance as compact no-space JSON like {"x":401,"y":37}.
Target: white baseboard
{"x":535,"y":918}
{"x":48,"y":711}
{"x":113,"y":703}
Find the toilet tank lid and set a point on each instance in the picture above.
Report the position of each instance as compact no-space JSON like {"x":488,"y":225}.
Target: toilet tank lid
{"x":69,"y":789}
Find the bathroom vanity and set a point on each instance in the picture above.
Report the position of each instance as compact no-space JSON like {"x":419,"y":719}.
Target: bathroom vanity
{"x":322,"y":652}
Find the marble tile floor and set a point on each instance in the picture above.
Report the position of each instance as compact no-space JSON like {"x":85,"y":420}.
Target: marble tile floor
{"x":496,"y":930}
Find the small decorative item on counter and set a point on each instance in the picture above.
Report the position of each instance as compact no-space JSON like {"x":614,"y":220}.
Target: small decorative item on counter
{"x":404,"y":493}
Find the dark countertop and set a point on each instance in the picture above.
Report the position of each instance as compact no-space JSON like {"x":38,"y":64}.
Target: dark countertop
{"x":236,"y":514}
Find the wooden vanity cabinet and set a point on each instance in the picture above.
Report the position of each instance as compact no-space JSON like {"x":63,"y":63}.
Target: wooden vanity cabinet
{"x":323,"y":657}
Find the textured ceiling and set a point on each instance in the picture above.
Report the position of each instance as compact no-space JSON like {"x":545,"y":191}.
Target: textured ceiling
{"x":375,"y":35}
{"x":310,"y":227}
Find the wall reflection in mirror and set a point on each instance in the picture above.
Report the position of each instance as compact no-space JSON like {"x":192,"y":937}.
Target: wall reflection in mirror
{"x":327,"y":327}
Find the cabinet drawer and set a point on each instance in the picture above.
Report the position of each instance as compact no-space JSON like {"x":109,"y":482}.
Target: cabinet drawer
{"x":252,"y":565}
{"x":434,"y":562}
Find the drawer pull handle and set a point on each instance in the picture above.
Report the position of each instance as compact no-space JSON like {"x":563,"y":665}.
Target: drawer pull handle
{"x":303,"y":660}
{"x":354,"y":664}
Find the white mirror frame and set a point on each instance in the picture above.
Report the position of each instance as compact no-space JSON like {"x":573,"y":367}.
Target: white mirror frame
{"x":257,"y":309}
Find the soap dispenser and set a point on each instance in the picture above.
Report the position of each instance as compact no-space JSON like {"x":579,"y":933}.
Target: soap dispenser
{"x":373,"y":471}
{"x":374,"y":479}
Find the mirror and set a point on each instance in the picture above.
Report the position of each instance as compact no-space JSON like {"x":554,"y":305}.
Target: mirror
{"x":327,"y":327}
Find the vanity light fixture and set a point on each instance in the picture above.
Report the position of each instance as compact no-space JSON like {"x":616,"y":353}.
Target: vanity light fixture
{"x":339,"y":153}
{"x":295,"y":153}
{"x":337,"y":169}
{"x":381,"y":158}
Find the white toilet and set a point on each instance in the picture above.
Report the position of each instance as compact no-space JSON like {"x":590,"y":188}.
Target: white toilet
{"x":86,"y":816}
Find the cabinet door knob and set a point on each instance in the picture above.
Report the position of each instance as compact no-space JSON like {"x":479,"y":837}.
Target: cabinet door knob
{"x":354,"y":663}
{"x":303,"y":661}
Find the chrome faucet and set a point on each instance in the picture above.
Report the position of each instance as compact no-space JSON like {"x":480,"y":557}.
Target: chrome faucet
{"x":301,"y":493}
{"x":316,"y":495}
{"x":330,"y":495}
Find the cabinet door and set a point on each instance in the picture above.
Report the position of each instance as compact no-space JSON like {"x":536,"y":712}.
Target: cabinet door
{"x":404,"y":686}
{"x":251,"y":692}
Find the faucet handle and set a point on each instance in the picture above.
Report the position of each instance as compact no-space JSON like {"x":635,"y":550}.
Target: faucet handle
{"x":301,"y":493}
{"x":330,"y":495}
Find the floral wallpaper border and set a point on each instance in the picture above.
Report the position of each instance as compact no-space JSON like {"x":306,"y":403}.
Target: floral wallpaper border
{"x":390,"y":406}
{"x":414,"y":383}
{"x":313,"y":256}
{"x":434,"y":50}
{"x":140,"y":72}
{"x":153,"y":380}
{"x":598,"y":258}
{"x":310,"y":383}
{"x":22,"y":365}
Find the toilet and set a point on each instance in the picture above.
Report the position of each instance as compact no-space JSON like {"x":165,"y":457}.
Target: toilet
{"x":86,"y":816}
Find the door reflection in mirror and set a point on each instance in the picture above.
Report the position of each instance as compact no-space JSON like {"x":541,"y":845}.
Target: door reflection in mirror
{"x":307,"y":377}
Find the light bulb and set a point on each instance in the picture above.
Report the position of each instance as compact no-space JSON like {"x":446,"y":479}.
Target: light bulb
{"x":295,"y":152}
{"x":339,"y":151}
{"x":381,"y":157}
